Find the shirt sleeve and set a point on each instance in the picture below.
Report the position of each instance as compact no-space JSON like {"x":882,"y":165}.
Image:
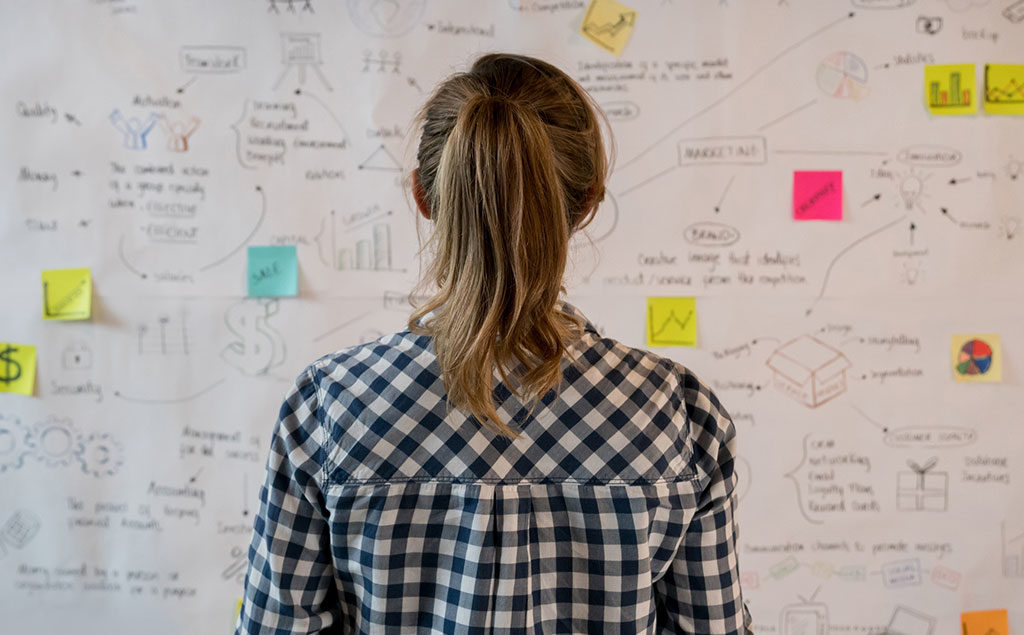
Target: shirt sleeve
{"x":289,"y":584}
{"x":701,"y":592}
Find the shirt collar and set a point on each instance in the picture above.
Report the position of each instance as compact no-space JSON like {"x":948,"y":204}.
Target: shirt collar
{"x":566,"y":307}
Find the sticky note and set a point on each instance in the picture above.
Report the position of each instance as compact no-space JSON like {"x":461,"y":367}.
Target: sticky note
{"x":17,"y":368}
{"x":67,"y":294}
{"x":1004,"y":89}
{"x":608,"y":23}
{"x":949,"y":89}
{"x":671,"y":321}
{"x":273,"y":271}
{"x":238,"y":608}
{"x":993,"y":622}
{"x":977,"y":357}
{"x":818,"y":195}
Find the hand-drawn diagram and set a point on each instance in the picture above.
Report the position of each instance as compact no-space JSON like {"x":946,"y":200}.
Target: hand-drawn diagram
{"x":1015,"y":12}
{"x":1012,"y":549}
{"x":907,"y":621}
{"x":608,"y":26}
{"x":77,"y":356}
{"x":13,"y":443}
{"x":301,"y":51}
{"x":274,"y":6}
{"x":843,"y":75}
{"x":381,"y":159}
{"x":101,"y":455}
{"x":359,"y":242}
{"x":256,"y":346}
{"x":235,"y":571}
{"x":910,"y":187}
{"x":19,"y":530}
{"x":178,"y":132}
{"x":949,"y":92}
{"x":382,"y":61}
{"x":806,"y":618}
{"x":56,"y":442}
{"x":165,"y":335}
{"x":670,"y":328}
{"x":386,"y":18}
{"x":809,"y":371}
{"x":929,"y":24}
{"x":133,"y":129}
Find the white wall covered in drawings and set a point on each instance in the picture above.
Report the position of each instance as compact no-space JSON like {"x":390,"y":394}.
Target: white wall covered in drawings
{"x":153,"y":142}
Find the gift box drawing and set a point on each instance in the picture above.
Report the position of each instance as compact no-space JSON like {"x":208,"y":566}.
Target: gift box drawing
{"x":809,"y":370}
{"x":922,"y":490}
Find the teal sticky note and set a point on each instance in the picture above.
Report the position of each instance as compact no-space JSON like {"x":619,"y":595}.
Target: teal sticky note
{"x":273,"y":271}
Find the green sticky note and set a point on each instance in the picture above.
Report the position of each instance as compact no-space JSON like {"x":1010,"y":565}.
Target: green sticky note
{"x":949,"y":89}
{"x":17,"y":368}
{"x":671,"y":321}
{"x":273,"y":271}
{"x":67,"y":294}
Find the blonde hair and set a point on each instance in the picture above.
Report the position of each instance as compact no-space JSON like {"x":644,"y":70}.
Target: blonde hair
{"x":511,"y":164}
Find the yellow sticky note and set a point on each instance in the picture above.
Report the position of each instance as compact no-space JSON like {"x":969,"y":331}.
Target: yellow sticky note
{"x":671,"y":321}
{"x":608,"y":23}
{"x":1004,"y":89}
{"x":17,"y":368}
{"x":985,"y":622}
{"x":949,"y":89}
{"x":67,"y":294}
{"x":238,"y":608}
{"x":977,"y":357}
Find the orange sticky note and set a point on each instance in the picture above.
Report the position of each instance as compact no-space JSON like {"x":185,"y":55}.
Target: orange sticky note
{"x":818,"y":195}
{"x":993,"y":622}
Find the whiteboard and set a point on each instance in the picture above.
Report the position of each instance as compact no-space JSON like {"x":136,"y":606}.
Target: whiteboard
{"x":154,"y":142}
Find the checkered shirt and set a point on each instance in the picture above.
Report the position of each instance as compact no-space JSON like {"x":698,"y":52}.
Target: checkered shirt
{"x":383,"y":511}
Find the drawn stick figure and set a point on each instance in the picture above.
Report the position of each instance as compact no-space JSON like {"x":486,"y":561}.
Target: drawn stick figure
{"x":177,"y":132}
{"x":133,"y":129}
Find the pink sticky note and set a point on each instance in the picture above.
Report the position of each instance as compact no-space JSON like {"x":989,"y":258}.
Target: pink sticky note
{"x":818,"y":195}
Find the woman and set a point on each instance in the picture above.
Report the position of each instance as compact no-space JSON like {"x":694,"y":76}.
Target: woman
{"x":499,"y":465}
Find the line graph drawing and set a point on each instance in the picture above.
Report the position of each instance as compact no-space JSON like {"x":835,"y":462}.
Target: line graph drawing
{"x":611,"y":29}
{"x":670,"y":323}
{"x":1004,"y":88}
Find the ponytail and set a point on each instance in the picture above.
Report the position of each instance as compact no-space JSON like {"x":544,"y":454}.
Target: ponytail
{"x":510,"y":161}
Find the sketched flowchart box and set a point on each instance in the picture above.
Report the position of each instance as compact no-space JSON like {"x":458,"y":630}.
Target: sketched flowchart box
{"x":809,"y":370}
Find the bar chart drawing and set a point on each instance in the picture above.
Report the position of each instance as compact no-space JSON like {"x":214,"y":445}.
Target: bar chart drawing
{"x":1012,"y":550}
{"x":359,"y":243}
{"x":301,"y":51}
{"x":953,"y":97}
{"x":370,"y":252}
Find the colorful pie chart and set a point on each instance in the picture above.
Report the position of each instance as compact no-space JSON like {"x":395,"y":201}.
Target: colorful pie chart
{"x":975,"y":358}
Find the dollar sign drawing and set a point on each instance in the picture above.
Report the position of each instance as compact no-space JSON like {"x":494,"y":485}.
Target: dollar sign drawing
{"x":258,"y":347}
{"x":5,"y":356}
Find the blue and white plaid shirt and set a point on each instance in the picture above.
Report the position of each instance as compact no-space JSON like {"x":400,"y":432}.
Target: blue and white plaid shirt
{"x":383,"y":511}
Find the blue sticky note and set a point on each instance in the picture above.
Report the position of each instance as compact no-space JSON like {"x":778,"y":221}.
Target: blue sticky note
{"x":273,"y":271}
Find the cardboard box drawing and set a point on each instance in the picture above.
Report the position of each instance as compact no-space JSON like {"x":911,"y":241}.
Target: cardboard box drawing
{"x":809,"y":370}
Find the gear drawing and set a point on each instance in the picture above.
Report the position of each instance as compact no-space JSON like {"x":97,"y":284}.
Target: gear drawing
{"x":13,"y":443}
{"x":100,"y":455}
{"x":55,"y":441}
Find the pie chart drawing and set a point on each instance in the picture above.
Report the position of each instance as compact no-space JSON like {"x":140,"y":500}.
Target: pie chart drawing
{"x":386,"y":18}
{"x":975,"y":358}
{"x":843,"y":75}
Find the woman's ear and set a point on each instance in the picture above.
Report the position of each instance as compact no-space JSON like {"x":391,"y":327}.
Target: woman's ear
{"x":420,"y":195}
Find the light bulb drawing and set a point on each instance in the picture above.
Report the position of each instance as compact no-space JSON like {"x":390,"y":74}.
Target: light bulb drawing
{"x":911,"y":188}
